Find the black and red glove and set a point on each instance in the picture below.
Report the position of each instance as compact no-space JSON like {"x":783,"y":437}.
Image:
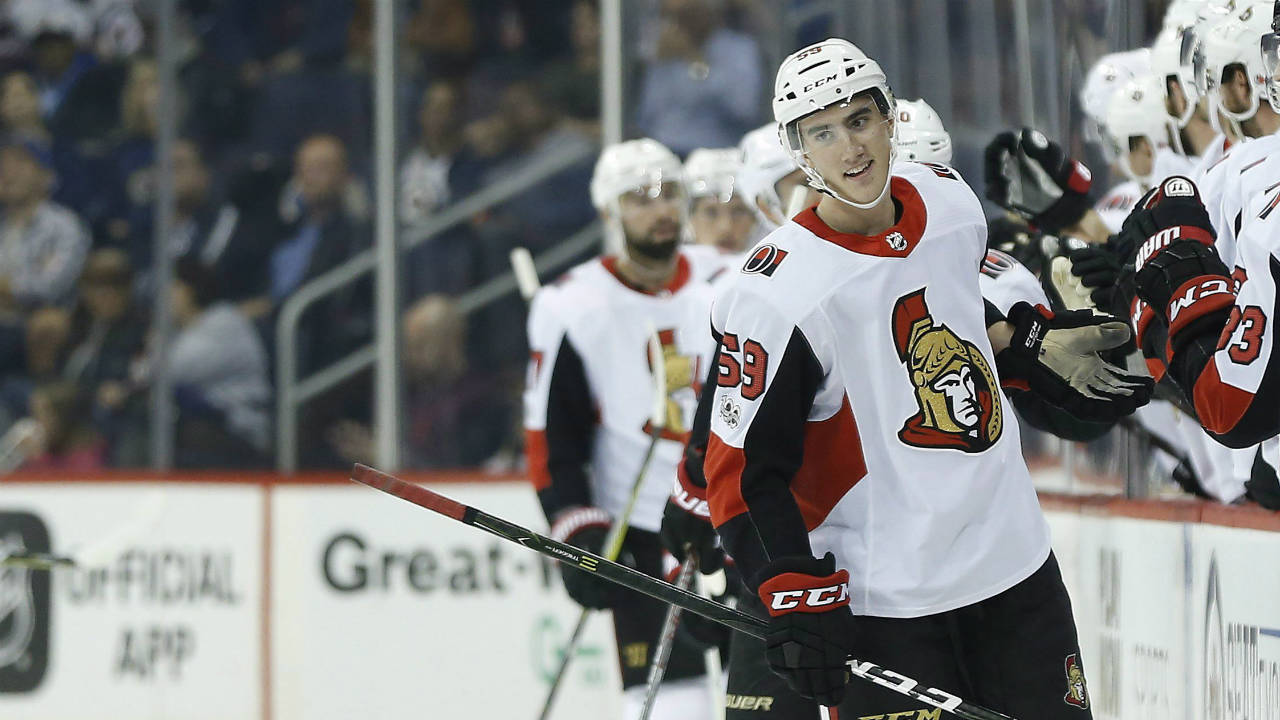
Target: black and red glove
{"x":687,"y":519}
{"x":1177,"y":271}
{"x":1028,"y":174}
{"x":811,"y":631}
{"x":1056,"y":357}
{"x":586,"y":528}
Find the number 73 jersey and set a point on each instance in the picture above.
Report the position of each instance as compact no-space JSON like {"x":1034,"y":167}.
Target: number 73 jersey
{"x":590,"y":390}
{"x":857,"y":410}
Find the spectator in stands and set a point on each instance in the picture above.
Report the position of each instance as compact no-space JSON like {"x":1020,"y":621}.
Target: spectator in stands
{"x":59,"y":32}
{"x":219,"y":370}
{"x":107,"y":350}
{"x":42,"y":244}
{"x":326,"y":231}
{"x":703,"y":88}
{"x":65,"y":439}
{"x":211,"y":232}
{"x":443,"y":33}
{"x":424,"y":176}
{"x":20,"y":107}
{"x":122,"y":216}
{"x":35,"y":351}
{"x":573,"y":83}
{"x":455,"y":416}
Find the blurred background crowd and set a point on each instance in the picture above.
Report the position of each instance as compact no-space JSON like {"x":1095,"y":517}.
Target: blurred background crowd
{"x":272,"y":188}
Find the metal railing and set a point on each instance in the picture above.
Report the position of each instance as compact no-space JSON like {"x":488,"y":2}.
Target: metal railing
{"x":292,"y":392}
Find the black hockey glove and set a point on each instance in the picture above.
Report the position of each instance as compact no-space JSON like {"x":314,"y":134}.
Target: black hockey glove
{"x":1099,"y":268}
{"x":1056,"y":356}
{"x":1177,"y":271}
{"x":586,"y":528}
{"x":811,"y":630}
{"x":687,"y":519}
{"x":680,"y":526}
{"x":1030,"y":175}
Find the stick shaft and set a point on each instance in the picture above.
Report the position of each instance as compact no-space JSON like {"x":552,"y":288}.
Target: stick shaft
{"x":666,"y":638}
{"x":653,"y":587}
{"x":566,"y":656}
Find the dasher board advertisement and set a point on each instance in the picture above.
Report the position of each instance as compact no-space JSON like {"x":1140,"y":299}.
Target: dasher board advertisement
{"x":163,"y":617}
{"x":384,"y":610}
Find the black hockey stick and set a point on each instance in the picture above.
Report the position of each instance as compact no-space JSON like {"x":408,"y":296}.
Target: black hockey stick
{"x":653,"y":587}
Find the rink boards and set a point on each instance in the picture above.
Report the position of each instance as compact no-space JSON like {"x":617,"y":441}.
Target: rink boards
{"x":259,"y":598}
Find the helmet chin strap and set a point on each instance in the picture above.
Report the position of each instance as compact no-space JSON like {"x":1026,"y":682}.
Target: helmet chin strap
{"x":817,"y":182}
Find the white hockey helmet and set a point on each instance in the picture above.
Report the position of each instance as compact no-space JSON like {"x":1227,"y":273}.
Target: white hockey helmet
{"x":1270,"y":46}
{"x":764,"y":162}
{"x":1237,"y":41}
{"x":1135,"y":111}
{"x":1181,"y":14}
{"x":643,"y":165}
{"x":921,"y":135}
{"x":1166,"y":66}
{"x":1108,"y":75}
{"x":712,"y":173}
{"x":828,"y":73}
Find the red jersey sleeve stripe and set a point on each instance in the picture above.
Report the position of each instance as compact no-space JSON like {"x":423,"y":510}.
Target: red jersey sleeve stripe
{"x":535,"y":452}
{"x":1219,"y":405}
{"x":723,"y":468}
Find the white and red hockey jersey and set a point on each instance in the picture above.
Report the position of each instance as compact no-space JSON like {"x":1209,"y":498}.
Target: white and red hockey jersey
{"x":1116,"y":205}
{"x":589,"y":389}
{"x":857,"y":409}
{"x":1237,"y":394}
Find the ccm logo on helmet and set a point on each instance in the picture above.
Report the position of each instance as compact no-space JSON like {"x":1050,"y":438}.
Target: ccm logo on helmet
{"x":819,"y":597}
{"x":820,"y":82}
{"x":764,"y":260}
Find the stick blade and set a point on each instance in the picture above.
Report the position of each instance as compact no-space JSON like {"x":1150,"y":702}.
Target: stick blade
{"x":415,"y":494}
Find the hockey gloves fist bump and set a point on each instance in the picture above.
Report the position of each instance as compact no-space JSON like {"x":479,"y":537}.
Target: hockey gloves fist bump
{"x":586,"y":528}
{"x":810,"y":626}
{"x":1030,"y":175}
{"x":1055,"y":356}
{"x":1178,"y":277}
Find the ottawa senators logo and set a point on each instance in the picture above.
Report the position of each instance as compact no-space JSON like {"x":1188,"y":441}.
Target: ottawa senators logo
{"x":682,"y":382}
{"x":764,"y":260}
{"x":1077,"y":695}
{"x":955,"y":388}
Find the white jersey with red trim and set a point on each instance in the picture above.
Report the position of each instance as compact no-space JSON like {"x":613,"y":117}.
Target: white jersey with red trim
{"x":1115,"y":206}
{"x":589,"y":392}
{"x":1237,"y":394}
{"x":857,"y":410}
{"x":1004,"y":282}
{"x":707,"y":262}
{"x":1213,"y":154}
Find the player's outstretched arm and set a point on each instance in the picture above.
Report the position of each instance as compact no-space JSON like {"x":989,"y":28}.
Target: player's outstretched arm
{"x":1211,"y":328}
{"x":1030,"y":175}
{"x":1057,"y":357}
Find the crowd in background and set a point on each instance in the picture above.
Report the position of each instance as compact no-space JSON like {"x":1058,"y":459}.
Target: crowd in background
{"x":271,"y":184}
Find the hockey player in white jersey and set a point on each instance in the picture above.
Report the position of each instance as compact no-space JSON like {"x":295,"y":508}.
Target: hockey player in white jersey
{"x":1171,"y":63}
{"x":859,"y":441}
{"x":588,"y":398}
{"x":770,"y":178}
{"x":719,"y":215}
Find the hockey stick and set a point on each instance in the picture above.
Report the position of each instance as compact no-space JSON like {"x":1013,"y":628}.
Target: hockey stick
{"x":525,"y":271}
{"x":618,"y":531}
{"x":653,"y":587}
{"x":1154,"y":440}
{"x":667,"y":636}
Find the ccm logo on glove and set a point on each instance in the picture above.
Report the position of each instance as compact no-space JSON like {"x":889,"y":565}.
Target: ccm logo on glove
{"x":787,"y":593}
{"x":1195,"y":291}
